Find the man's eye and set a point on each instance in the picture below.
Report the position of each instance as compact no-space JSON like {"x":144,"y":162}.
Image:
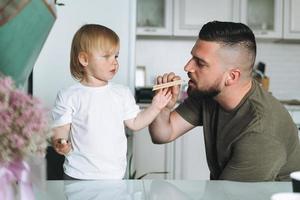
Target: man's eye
{"x":116,"y":56}
{"x":200,"y":64}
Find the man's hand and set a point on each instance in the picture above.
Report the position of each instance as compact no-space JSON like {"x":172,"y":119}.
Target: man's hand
{"x":174,"y":90}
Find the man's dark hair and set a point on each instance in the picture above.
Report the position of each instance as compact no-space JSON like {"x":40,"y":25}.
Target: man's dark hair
{"x":229,"y":34}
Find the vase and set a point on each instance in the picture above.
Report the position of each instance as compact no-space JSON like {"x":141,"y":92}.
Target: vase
{"x":38,"y":170}
{"x":7,"y":190}
{"x":15,"y":182}
{"x":16,"y":189}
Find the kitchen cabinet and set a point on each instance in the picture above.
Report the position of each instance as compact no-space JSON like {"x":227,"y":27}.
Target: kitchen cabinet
{"x":295,"y":114}
{"x":190,"y":157}
{"x":263,"y":17}
{"x":275,"y":19}
{"x":149,"y":157}
{"x":191,"y":15}
{"x":154,"y":17}
{"x":291,"y":19}
{"x":269,"y":19}
{"x":185,"y":18}
{"x":183,"y":158}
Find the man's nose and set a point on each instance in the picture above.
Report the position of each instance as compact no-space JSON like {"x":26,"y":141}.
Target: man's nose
{"x":188,"y":66}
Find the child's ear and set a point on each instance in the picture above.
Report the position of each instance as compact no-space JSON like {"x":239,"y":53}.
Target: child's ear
{"x":83,"y":59}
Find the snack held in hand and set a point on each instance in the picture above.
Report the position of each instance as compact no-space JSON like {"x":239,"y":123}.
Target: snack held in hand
{"x":166,"y":85}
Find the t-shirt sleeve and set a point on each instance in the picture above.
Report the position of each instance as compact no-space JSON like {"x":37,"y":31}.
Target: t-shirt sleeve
{"x":255,"y":157}
{"x":131,"y":109}
{"x":191,"y":111}
{"x":62,"y":111}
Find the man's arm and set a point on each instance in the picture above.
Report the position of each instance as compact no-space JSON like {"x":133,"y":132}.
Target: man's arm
{"x":168,"y":126}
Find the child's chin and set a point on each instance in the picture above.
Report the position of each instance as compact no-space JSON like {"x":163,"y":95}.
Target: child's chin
{"x":110,"y":78}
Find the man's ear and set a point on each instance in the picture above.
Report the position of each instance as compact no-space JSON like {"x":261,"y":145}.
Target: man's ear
{"x":83,"y":59}
{"x":233,"y":76}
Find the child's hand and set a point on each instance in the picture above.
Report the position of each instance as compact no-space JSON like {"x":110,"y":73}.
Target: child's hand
{"x":62,"y":146}
{"x":161,"y":98}
{"x":174,"y":89}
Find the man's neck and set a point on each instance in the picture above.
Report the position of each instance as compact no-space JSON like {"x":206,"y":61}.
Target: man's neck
{"x":232,"y":96}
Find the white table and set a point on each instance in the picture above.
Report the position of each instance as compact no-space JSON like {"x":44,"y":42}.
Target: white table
{"x":160,"y":190}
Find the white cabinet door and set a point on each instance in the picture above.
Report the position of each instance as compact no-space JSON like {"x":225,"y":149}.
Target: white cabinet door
{"x":190,"y":156}
{"x":263,"y":17}
{"x":149,"y":157}
{"x":291,"y":19}
{"x":154,"y":17}
{"x":295,"y":114}
{"x":296,"y":118}
{"x":191,"y":15}
{"x":184,"y":158}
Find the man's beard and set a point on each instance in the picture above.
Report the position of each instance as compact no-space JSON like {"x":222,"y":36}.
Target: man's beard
{"x":196,"y":93}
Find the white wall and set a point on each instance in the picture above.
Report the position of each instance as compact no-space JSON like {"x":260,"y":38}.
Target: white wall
{"x":283,"y":68}
{"x":161,"y":55}
{"x":51,"y":70}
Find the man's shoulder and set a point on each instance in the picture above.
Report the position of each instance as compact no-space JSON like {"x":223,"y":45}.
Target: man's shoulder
{"x":269,"y":116}
{"x":264,"y":103}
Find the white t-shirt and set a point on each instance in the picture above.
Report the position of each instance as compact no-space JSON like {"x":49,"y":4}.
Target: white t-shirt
{"x":97,"y":133}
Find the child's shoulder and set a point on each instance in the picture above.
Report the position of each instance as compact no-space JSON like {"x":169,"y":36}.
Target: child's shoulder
{"x":70,"y":90}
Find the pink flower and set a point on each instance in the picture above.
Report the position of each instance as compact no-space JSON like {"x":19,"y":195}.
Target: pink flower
{"x":23,"y":123}
{"x":6,"y":119}
{"x":6,"y":84}
{"x":16,"y":141}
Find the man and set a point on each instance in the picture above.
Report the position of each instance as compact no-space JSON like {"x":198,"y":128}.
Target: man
{"x":249,"y":135}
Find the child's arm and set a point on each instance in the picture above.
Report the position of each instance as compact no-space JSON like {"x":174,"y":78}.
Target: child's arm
{"x":145,"y":117}
{"x":59,"y":139}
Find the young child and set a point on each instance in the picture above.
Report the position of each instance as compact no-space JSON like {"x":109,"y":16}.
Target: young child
{"x":89,"y":117}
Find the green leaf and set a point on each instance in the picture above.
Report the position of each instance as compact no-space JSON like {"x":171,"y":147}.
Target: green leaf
{"x":142,"y":176}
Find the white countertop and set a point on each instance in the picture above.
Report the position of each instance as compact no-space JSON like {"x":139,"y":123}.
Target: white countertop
{"x":161,"y":190}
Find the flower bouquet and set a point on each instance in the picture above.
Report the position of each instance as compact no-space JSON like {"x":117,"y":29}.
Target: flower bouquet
{"x":23,"y":132}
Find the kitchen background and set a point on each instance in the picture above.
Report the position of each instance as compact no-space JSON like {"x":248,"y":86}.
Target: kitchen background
{"x":267,"y":18}
{"x":157,"y":37}
{"x":167,"y":48}
{"x":166,"y":32}
{"x":282,"y":62}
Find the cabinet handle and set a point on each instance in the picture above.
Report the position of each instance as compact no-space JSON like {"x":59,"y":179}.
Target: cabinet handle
{"x":263,"y":32}
{"x":150,"y":30}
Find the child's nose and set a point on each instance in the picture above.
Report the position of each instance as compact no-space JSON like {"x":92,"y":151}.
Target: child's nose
{"x":115,"y":61}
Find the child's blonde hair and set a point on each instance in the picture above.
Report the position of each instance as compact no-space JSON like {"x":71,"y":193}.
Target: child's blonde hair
{"x":89,"y":38}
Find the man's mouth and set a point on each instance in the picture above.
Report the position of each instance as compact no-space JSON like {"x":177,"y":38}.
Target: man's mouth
{"x":191,"y":82}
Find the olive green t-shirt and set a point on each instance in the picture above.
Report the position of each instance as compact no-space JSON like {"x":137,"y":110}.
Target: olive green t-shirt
{"x":257,"y":141}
